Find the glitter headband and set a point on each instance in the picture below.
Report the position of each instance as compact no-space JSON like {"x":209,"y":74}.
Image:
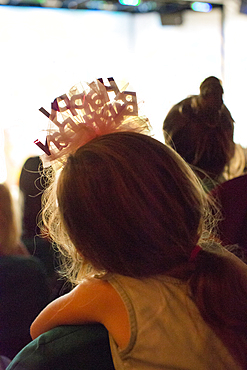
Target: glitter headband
{"x":86,"y":112}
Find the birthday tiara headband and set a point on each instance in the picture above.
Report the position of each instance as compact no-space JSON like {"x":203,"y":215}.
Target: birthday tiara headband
{"x":86,"y":112}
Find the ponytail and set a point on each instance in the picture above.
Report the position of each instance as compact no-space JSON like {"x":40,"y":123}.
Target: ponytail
{"x":219,"y":289}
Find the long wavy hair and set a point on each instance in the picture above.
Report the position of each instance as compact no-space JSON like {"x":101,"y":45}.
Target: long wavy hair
{"x":127,"y":204}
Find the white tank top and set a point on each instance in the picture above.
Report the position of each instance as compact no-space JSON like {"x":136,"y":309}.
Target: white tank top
{"x":167,"y":330}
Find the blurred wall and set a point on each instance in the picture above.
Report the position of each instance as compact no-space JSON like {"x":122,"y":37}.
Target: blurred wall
{"x":46,"y":51}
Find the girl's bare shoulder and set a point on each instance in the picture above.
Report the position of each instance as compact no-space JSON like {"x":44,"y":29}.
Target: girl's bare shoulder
{"x":93,"y":300}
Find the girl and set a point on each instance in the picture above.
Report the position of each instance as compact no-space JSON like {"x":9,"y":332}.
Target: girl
{"x":131,"y":220}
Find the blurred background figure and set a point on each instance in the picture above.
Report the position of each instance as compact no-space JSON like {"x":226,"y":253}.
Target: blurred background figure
{"x":32,"y":183}
{"x":200,"y":128}
{"x":24,"y":288}
{"x":232,"y":199}
{"x":10,"y":243}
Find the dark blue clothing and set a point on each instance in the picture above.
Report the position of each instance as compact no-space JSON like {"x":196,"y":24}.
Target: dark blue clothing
{"x":84,"y":347}
{"x":24,"y":292}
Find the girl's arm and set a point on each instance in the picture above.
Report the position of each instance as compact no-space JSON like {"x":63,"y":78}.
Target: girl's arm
{"x":93,"y":300}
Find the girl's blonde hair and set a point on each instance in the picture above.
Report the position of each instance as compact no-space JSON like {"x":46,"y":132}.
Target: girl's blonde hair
{"x":9,"y":233}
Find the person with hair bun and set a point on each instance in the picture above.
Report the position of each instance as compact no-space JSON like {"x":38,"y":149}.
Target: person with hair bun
{"x":200,"y":128}
{"x":133,"y":224}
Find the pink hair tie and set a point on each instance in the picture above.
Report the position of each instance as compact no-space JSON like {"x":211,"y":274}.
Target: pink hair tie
{"x":194,"y":253}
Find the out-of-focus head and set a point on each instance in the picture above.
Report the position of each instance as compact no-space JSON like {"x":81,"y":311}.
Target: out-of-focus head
{"x":5,"y":200}
{"x":32,"y":183}
{"x":200,"y":128}
{"x":8,"y":227}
